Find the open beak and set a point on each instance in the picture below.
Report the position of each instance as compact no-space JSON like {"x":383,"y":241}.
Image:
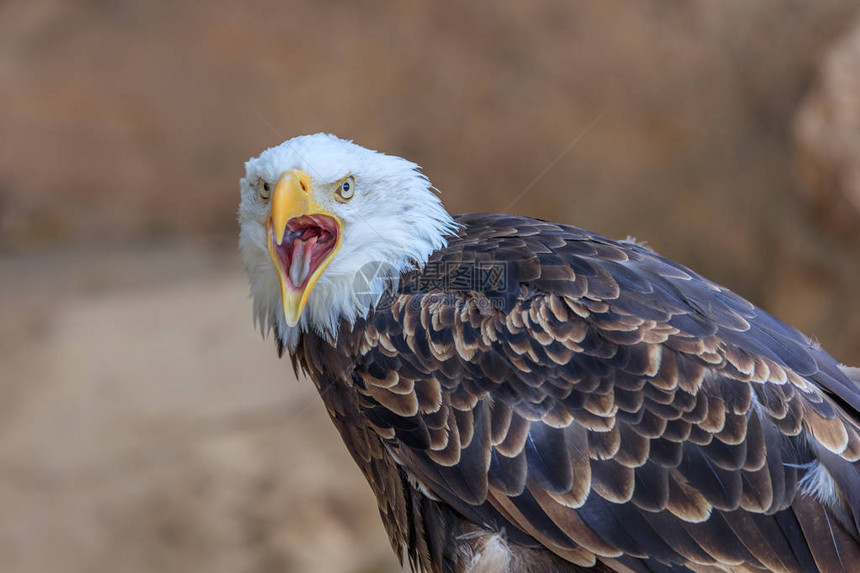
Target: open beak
{"x":303,"y":238}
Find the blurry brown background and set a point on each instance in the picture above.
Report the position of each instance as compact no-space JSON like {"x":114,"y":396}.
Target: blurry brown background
{"x":144,"y":426}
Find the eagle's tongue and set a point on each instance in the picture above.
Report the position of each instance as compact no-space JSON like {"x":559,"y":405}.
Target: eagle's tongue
{"x":300,"y":265}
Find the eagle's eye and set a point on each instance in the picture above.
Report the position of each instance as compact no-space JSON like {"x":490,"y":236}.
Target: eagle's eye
{"x":264,"y":189}
{"x":346,"y":188}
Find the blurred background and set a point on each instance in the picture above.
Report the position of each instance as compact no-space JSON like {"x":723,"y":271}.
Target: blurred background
{"x":145,"y":426}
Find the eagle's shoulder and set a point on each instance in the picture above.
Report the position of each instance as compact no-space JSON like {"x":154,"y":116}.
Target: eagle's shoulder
{"x":618,"y":286}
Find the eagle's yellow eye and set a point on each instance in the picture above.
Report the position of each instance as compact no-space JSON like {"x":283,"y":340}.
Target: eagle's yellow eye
{"x":264,"y":189}
{"x":346,"y":189}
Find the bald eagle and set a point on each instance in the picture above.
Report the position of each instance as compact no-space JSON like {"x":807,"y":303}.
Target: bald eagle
{"x":525,"y":396}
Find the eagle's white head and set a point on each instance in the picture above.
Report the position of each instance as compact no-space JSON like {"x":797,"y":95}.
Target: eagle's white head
{"x":320,"y":215}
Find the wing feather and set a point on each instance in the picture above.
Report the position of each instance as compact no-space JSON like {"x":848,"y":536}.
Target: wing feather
{"x":609,"y":404}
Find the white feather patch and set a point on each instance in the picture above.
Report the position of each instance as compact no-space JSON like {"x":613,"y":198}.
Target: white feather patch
{"x":819,"y":484}
{"x":493,"y":556}
{"x":392,"y":224}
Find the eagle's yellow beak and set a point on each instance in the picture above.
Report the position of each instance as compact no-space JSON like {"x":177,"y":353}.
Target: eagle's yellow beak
{"x":303,"y":239}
